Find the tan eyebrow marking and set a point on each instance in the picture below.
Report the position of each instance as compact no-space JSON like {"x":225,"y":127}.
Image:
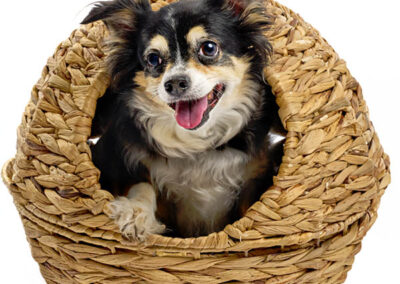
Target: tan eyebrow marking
{"x":195,"y":34}
{"x":159,"y":43}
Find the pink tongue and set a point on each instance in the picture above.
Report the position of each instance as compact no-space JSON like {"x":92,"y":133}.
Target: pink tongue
{"x":190,"y":114}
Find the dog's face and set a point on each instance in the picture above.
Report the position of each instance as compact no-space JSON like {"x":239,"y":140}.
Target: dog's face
{"x":196,"y":65}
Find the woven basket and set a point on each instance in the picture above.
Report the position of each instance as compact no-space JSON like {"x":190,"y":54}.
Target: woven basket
{"x":306,"y":228}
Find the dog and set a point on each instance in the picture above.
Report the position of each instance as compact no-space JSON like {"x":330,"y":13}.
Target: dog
{"x":189,"y":132}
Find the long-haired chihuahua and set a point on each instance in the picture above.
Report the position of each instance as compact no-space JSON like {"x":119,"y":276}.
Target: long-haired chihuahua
{"x":187,"y":127}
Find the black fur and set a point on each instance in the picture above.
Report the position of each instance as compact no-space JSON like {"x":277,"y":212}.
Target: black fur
{"x":119,"y":127}
{"x":237,"y":37}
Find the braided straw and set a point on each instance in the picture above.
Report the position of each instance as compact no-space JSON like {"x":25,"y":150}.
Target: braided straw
{"x":306,"y":228}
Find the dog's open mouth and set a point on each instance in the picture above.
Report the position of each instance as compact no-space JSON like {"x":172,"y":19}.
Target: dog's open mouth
{"x":193,"y":113}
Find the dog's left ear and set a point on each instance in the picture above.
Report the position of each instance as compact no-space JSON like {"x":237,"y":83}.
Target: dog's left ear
{"x":253,"y":21}
{"x":119,"y":15}
{"x":237,"y":7}
{"x":123,"y":18}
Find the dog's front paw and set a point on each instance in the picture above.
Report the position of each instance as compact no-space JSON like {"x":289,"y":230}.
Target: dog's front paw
{"x":135,"y":220}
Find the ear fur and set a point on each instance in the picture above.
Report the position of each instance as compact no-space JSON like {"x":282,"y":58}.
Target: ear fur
{"x":238,"y":6}
{"x":253,"y":21}
{"x":122,"y":18}
{"x":118,"y":15}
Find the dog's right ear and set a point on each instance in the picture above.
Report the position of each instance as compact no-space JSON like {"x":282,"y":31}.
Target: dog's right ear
{"x":118,"y":15}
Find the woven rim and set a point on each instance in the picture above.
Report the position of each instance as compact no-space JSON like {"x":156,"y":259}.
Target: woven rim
{"x":305,"y":228}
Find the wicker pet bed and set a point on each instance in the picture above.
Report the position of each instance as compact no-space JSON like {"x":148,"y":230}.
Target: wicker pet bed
{"x":307,"y":228}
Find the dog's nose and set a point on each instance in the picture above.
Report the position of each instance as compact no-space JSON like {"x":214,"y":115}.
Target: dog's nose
{"x":177,"y":85}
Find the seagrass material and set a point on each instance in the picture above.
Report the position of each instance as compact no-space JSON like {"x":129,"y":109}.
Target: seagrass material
{"x":306,"y":228}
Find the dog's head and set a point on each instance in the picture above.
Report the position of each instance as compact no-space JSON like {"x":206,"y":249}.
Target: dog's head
{"x":196,"y":65}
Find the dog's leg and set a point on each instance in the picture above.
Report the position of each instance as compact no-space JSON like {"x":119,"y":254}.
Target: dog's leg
{"x":135,"y":214}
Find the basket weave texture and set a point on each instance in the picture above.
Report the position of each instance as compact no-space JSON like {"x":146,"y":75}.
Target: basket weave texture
{"x":306,"y":228}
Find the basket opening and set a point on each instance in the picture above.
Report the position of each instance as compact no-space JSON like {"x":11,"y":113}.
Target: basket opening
{"x":210,"y":150}
{"x":251,"y":192}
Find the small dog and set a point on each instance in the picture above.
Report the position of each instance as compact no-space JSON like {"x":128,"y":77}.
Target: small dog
{"x":188,"y":124}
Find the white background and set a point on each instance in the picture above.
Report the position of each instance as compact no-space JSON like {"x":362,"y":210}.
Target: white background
{"x":364,"y":33}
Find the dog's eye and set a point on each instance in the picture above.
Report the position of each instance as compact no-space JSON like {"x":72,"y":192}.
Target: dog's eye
{"x":154,"y":60}
{"x":208,"y":49}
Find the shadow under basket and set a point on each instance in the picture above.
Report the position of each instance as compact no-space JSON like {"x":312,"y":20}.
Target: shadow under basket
{"x":306,"y":228}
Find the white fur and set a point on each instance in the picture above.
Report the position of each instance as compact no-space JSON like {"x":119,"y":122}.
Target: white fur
{"x":204,"y":187}
{"x":135,"y":214}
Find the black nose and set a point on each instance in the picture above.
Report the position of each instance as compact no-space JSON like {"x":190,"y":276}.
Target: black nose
{"x":177,"y":85}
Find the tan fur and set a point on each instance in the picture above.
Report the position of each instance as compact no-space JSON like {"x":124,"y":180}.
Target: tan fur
{"x":159,"y":43}
{"x":148,"y":85}
{"x":196,"y":34}
{"x":237,"y":71}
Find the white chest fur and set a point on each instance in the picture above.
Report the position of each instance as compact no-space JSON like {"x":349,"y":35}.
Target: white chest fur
{"x":204,"y":186}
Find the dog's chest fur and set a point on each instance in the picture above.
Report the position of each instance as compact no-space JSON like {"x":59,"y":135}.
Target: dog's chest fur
{"x":204,"y":187}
